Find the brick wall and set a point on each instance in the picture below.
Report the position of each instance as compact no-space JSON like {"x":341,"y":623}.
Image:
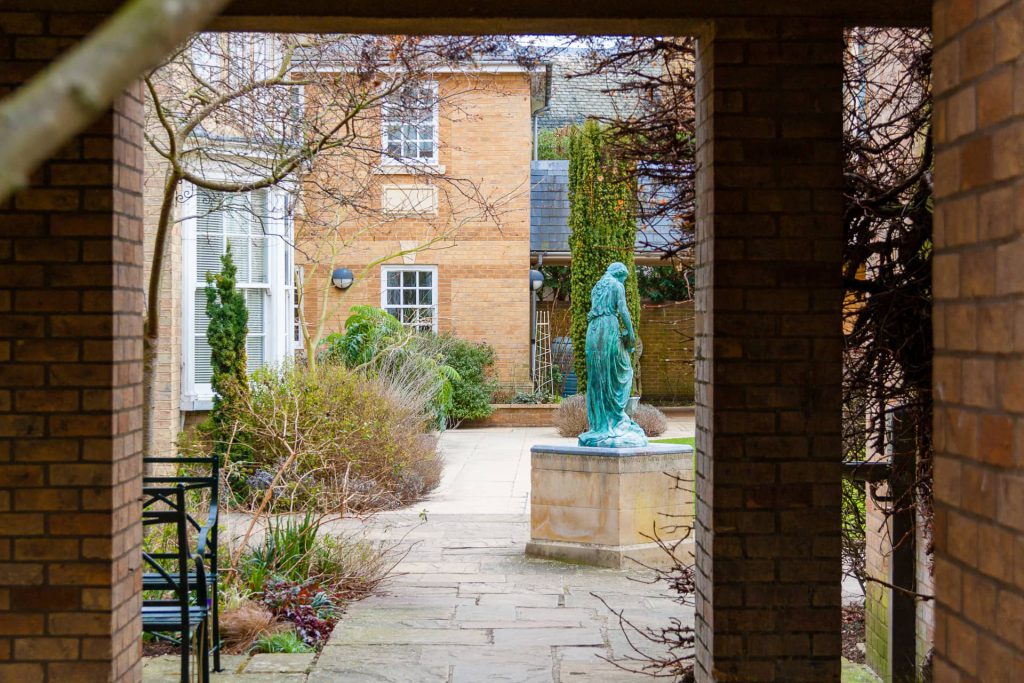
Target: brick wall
{"x":516,"y":415}
{"x":979,"y":341}
{"x":70,"y":392}
{"x":666,"y":366}
{"x":769,"y":351}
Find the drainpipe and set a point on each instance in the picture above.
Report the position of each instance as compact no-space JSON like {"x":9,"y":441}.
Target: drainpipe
{"x":536,"y":120}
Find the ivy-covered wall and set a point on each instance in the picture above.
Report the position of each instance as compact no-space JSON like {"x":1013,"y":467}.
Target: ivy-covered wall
{"x":602,"y":221}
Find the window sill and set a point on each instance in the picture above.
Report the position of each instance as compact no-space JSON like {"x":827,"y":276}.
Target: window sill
{"x":194,"y":404}
{"x":409,"y":168}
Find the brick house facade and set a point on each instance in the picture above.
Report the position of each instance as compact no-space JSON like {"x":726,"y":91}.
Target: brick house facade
{"x":474,"y":281}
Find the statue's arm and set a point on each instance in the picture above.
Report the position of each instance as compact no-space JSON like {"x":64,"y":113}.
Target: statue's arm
{"x":627,"y":321}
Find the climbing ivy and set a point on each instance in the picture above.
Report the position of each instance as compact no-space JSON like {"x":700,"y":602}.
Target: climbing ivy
{"x":226,"y":333}
{"x":602,"y":223}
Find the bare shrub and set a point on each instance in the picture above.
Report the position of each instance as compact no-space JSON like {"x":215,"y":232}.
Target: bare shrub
{"x":329,"y":439}
{"x":650,"y":419}
{"x":241,"y":625}
{"x":571,"y":416}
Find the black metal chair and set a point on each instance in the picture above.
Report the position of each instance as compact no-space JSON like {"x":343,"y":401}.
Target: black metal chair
{"x":185,"y":616}
{"x":206,"y":543}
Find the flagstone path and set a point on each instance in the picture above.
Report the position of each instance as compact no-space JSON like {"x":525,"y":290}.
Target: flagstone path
{"x":465,"y":604}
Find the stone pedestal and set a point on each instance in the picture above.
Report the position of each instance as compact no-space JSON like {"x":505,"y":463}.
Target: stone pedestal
{"x":603,"y":506}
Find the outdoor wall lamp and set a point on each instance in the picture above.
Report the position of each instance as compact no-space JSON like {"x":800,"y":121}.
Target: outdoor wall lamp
{"x":342,"y":278}
{"x":536,"y":280}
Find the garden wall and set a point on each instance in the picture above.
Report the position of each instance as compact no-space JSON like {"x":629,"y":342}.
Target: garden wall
{"x":666,"y":366}
{"x":516,"y":415}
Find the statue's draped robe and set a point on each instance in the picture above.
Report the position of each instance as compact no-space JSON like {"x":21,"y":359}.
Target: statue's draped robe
{"x":609,"y":372}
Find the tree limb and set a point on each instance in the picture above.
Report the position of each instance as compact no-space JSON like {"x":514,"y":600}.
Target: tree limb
{"x":71,"y":93}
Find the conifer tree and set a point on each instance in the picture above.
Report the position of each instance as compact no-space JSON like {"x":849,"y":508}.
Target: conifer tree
{"x":226,"y":333}
{"x":602,"y":223}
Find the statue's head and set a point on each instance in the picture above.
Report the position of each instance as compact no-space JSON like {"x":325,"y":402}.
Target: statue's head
{"x":618,"y":271}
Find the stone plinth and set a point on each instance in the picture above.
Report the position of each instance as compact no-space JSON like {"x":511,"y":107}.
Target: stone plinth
{"x":603,"y":506}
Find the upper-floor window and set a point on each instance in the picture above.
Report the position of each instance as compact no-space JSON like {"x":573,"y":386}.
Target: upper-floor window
{"x":410,"y":294}
{"x":235,"y":60}
{"x":409,"y":124}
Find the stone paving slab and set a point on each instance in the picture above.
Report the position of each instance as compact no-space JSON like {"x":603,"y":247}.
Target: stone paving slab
{"x":531,"y":620}
{"x":279,"y":663}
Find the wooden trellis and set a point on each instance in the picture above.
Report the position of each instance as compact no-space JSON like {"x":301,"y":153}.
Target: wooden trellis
{"x":543,"y":374}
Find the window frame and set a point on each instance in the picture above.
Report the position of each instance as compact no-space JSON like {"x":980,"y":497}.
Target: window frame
{"x":278,"y":306}
{"x":435,"y":305}
{"x":390,"y":160}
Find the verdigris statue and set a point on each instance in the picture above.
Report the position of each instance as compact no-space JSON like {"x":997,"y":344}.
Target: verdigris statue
{"x":609,"y":370}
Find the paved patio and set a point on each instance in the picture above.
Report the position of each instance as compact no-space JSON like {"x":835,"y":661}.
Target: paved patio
{"x":465,"y":603}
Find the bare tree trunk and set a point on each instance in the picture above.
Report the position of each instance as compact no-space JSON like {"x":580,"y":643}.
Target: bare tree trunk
{"x":151,"y":327}
{"x":149,"y":348}
{"x":41,"y":116}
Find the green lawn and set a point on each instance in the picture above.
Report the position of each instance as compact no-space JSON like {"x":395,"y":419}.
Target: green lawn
{"x":685,"y":440}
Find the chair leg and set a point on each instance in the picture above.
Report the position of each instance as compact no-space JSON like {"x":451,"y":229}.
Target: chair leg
{"x":186,"y":653}
{"x":215,"y":640}
{"x":206,"y":650}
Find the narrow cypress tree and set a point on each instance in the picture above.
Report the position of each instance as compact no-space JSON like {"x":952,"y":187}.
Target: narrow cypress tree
{"x":226,"y":333}
{"x":602,"y":221}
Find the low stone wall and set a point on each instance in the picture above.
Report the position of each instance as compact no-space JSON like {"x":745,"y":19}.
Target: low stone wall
{"x":515,"y":415}
{"x":877,"y":552}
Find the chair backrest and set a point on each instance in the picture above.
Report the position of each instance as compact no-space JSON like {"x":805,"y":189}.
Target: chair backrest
{"x":193,"y":481}
{"x":165,"y":505}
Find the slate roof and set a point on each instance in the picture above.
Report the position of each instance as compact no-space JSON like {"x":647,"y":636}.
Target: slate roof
{"x":549,"y":206}
{"x":549,"y":212}
{"x":573,"y":100}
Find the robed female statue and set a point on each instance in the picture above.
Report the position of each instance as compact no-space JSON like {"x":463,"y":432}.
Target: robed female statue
{"x":610,"y":341}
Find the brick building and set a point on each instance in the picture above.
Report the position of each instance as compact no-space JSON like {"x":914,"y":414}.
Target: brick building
{"x":768,"y":376}
{"x":437,"y":260}
{"x":432,"y":255}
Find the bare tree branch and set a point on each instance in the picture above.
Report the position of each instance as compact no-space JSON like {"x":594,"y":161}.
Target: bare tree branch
{"x":66,"y":97}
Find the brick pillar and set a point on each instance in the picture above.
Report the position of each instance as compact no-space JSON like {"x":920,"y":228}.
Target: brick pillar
{"x":768,"y":354}
{"x":70,"y":390}
{"x":979,"y":342}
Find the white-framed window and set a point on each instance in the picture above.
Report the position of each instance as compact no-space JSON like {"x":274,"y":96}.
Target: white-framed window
{"x":409,"y":125}
{"x":235,"y":59}
{"x":410,"y":294}
{"x":256,"y":227}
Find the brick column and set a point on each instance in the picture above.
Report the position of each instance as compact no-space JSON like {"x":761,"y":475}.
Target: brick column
{"x":978,"y":279}
{"x":70,"y":389}
{"x":769,"y":351}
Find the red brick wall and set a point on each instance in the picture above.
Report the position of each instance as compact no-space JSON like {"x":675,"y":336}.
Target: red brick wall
{"x":70,"y":392}
{"x":769,"y":347}
{"x":666,"y":366}
{"x":979,"y":342}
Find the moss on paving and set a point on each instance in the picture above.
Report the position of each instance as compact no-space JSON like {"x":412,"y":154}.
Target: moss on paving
{"x":857,"y":673}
